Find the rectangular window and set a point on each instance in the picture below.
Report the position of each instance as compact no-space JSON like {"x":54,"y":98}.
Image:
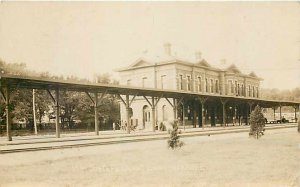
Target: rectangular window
{"x":253,"y":91}
{"x":199,"y":84}
{"x":243,"y":91}
{"x":257,"y":92}
{"x":162,"y":81}
{"x":128,"y":82}
{"x":249,"y":91}
{"x":144,"y":81}
{"x":188,"y":83}
{"x":211,"y":86}
{"x":206,"y":85}
{"x":180,"y":82}
{"x":217,"y":86}
{"x":230,"y":84}
{"x":236,"y":88}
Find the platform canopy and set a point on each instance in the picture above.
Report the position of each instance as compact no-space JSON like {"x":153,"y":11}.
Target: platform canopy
{"x":13,"y":81}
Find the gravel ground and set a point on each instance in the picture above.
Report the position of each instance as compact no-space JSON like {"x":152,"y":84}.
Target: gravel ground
{"x":220,"y":160}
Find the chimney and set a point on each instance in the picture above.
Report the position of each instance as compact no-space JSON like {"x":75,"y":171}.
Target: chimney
{"x":167,"y":47}
{"x":198,"y":56}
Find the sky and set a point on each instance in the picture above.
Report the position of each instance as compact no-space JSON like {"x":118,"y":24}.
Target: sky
{"x":88,"y":38}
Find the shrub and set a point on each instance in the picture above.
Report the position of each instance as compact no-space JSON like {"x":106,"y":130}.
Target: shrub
{"x":174,"y":140}
{"x":257,"y":123}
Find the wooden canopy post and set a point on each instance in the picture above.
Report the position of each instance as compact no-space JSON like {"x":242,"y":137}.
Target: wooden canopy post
{"x":175,"y":108}
{"x":128,"y":114}
{"x":96,"y":102}
{"x":280,"y":114}
{"x":195,"y":121}
{"x":202,"y":102}
{"x":274,"y":110}
{"x":57,"y":126}
{"x":6,"y":97}
{"x":295,"y":107}
{"x":96,"y":114}
{"x":153,"y":114}
{"x":33,"y":111}
{"x":250,"y":110}
{"x":153,"y":105}
{"x":224,"y":101}
{"x":183,"y":115}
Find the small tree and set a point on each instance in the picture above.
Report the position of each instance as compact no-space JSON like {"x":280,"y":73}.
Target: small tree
{"x":257,"y":123}
{"x":174,"y":141}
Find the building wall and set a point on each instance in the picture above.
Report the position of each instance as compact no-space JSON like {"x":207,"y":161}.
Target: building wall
{"x":177,"y":76}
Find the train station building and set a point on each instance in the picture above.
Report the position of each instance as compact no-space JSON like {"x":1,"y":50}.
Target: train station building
{"x":172,"y":73}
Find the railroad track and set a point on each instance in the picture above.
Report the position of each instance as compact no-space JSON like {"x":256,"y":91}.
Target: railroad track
{"x":9,"y":148}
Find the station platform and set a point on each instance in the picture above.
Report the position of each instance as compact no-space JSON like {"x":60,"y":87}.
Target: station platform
{"x":48,"y":142}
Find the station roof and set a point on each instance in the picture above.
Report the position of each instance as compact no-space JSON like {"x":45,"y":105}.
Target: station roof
{"x":14,"y":81}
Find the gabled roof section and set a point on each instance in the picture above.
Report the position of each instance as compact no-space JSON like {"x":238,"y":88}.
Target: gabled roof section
{"x":234,"y":69}
{"x":203,"y":62}
{"x":140,"y":63}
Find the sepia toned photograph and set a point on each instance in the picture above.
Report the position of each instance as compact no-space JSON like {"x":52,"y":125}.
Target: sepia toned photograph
{"x":149,"y":94}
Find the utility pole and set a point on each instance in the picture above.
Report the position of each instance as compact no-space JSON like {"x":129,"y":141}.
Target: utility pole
{"x":33,"y":107}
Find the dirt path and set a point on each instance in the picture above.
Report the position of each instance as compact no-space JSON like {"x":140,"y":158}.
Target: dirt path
{"x":222,"y":160}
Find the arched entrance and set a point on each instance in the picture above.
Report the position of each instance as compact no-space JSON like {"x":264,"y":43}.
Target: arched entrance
{"x":146,"y":117}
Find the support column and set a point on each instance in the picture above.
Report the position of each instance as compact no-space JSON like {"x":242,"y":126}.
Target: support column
{"x":202,"y":101}
{"x":234,"y":115}
{"x":212,"y":116}
{"x":127,"y":114}
{"x":203,"y":115}
{"x":224,"y":112}
{"x":57,"y":126}
{"x":246,"y":114}
{"x":295,"y":113}
{"x":250,"y":110}
{"x":33,"y":111}
{"x":200,"y":115}
{"x":280,"y":115}
{"x":175,"y":108}
{"x":8,"y":117}
{"x":183,"y":116}
{"x":195,"y":115}
{"x":274,"y":109}
{"x":96,"y":114}
{"x":153,"y":115}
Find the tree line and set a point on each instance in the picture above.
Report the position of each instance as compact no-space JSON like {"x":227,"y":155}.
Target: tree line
{"x":74,"y":106}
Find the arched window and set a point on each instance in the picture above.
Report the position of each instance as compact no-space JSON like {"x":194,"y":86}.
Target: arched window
{"x":217,"y":86}
{"x":146,"y":113}
{"x":211,"y":86}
